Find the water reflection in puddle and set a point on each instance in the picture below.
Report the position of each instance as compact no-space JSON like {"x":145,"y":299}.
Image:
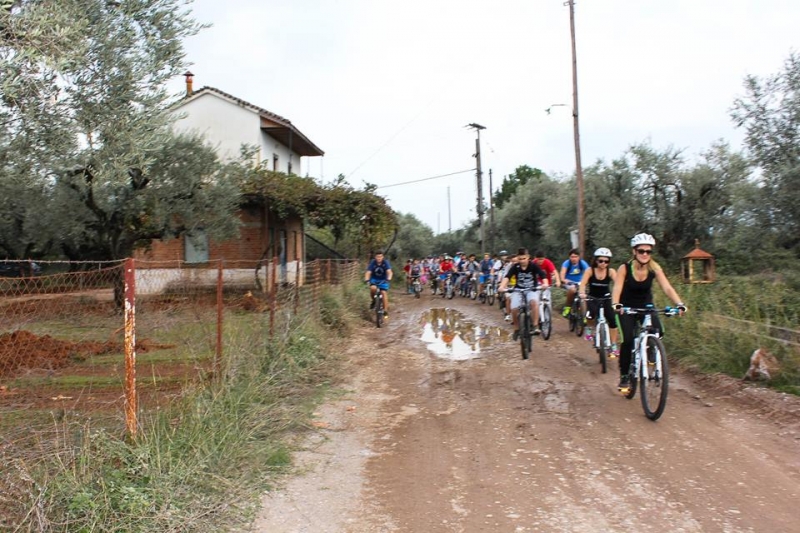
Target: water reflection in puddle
{"x":451,"y":335}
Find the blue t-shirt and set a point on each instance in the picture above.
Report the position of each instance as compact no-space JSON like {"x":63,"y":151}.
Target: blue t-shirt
{"x":575,"y":272}
{"x":379,"y":270}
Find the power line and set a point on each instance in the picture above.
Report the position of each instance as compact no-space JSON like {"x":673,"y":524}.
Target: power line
{"x":425,"y":179}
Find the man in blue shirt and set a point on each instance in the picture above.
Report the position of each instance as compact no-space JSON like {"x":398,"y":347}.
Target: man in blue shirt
{"x":572,"y":273}
{"x":378,"y":275}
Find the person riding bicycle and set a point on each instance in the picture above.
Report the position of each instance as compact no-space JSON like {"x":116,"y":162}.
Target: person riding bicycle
{"x":527,"y":274}
{"x":485,"y":269}
{"x":378,"y":275}
{"x":512,"y":283}
{"x":548,"y":267}
{"x":598,"y":280}
{"x":415,"y":272}
{"x":446,"y":269}
{"x":572,"y":273}
{"x":634,"y":288}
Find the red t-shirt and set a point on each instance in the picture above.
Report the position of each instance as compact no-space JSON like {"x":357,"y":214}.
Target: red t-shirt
{"x":445,"y":266}
{"x":548,"y":267}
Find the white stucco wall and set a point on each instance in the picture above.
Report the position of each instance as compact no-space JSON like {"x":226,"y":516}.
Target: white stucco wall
{"x":227,"y":126}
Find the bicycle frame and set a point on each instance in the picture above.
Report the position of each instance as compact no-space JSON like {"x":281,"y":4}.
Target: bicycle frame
{"x":640,"y":347}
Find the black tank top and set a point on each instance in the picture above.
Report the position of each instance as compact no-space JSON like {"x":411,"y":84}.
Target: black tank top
{"x":636,"y":293}
{"x":599,"y":287}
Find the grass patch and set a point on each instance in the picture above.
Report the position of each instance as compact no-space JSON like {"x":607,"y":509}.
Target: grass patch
{"x":198,"y":465}
{"x":728,"y":320}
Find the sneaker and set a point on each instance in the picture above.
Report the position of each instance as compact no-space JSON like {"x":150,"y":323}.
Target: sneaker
{"x":385,"y":315}
{"x":536,"y":331}
{"x":589,"y":337}
{"x":651,"y":357}
{"x":515,"y":336}
{"x":624,"y":384}
{"x":566,"y":311}
{"x":507,"y":318}
{"x":614,"y":351}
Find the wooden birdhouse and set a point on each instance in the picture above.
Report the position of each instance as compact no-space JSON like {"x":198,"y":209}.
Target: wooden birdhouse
{"x":698,"y":266}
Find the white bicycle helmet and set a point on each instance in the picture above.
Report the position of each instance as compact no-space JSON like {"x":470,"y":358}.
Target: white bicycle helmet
{"x":503,"y":252}
{"x":603,"y":252}
{"x":642,"y":238}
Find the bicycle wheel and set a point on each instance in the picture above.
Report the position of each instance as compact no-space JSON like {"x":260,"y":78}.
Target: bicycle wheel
{"x":573,"y":322}
{"x":602,"y":339}
{"x":546,"y":321}
{"x":490,"y":296}
{"x":655,"y":385}
{"x":379,"y":311}
{"x":525,"y":334}
{"x":579,"y":321}
{"x":473,"y":290}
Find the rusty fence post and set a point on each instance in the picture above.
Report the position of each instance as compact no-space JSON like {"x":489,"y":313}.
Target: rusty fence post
{"x":131,"y":400}
{"x":220,"y":318}
{"x":274,"y":296}
{"x":297,"y":286}
{"x":317,"y":282}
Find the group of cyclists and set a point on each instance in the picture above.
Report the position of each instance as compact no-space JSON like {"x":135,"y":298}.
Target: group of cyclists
{"x":630,"y":285}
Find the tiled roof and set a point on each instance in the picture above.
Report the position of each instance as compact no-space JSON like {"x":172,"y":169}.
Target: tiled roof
{"x":257,"y":109}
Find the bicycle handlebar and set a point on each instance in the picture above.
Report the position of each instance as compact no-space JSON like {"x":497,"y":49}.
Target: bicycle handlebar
{"x":667,"y":311}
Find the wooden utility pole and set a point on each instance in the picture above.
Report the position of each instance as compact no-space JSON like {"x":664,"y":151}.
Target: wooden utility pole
{"x":479,"y":179}
{"x":578,"y":166}
{"x":491,"y":213}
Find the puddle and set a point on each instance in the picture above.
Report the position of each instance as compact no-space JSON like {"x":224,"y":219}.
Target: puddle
{"x":449,"y":334}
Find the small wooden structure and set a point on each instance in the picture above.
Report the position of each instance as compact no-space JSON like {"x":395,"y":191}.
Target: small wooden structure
{"x":698,"y":266}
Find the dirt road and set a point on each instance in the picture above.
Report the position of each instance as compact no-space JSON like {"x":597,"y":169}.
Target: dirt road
{"x":468,"y":441}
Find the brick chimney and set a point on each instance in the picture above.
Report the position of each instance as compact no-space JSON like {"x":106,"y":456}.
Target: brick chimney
{"x":189,"y":78}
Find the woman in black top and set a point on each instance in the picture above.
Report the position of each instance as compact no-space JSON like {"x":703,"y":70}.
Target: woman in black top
{"x":597,"y":280}
{"x":634,"y":288}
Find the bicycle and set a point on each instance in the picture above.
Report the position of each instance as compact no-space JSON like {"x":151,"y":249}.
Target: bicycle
{"x":415,"y":283}
{"x":575,"y":316}
{"x":434,"y":283}
{"x":448,"y":291}
{"x":473,"y":286}
{"x":378,"y":305}
{"x":545,"y":313}
{"x":602,"y":334}
{"x":649,"y":366}
{"x":525,"y":324}
{"x":488,"y":293}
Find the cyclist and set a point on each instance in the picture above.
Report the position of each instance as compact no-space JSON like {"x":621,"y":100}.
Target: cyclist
{"x":598,"y":279}
{"x":634,"y":288}
{"x":415,"y":273}
{"x":512,"y":283}
{"x":486,"y":267}
{"x":527,"y":274}
{"x":548,"y":267}
{"x":572,"y":273}
{"x":473,"y":268}
{"x":446,"y":268}
{"x":378,"y":275}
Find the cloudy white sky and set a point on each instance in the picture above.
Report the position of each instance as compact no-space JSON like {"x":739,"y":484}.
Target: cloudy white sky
{"x":386,"y":88}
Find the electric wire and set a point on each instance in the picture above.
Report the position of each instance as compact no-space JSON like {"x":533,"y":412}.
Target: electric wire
{"x":425,"y":179}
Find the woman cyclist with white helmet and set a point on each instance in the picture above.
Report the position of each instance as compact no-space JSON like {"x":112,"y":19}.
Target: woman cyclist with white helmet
{"x":597,"y":279}
{"x":634,"y":288}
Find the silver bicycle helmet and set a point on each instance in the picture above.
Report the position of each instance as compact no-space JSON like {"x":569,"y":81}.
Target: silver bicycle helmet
{"x":642,"y":238}
{"x":603,"y":252}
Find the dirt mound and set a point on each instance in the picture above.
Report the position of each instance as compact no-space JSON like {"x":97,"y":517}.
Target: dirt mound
{"x":25,"y":350}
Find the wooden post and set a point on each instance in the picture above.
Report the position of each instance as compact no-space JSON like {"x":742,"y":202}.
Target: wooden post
{"x":296,"y":287}
{"x":220,"y":315}
{"x":131,"y":400}
{"x":274,"y":296}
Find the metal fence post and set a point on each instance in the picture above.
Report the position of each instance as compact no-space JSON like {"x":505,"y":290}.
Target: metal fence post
{"x":274,"y":296}
{"x":131,"y":400}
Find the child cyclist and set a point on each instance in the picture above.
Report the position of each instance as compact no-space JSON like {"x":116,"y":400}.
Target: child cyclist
{"x":378,"y":275}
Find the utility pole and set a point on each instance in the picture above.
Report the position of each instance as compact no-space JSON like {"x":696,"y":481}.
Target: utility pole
{"x":578,"y":166}
{"x":479,"y":176}
{"x":491,"y":213}
{"x":449,"y":218}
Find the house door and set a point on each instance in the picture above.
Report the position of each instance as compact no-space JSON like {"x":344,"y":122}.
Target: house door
{"x":283,"y":255}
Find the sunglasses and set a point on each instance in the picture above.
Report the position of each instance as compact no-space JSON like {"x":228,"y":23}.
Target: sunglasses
{"x":642,"y":251}
{"x":603,"y":261}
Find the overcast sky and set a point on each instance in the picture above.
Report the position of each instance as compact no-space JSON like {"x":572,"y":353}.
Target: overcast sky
{"x":386,"y":88}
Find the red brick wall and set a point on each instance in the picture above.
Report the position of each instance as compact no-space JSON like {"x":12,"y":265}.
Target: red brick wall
{"x":254,"y":235}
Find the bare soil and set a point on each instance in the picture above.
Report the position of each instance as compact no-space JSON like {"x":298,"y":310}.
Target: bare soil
{"x":425,"y":443}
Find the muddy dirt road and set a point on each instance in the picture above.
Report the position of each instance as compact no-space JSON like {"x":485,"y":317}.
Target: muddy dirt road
{"x":468,"y":441}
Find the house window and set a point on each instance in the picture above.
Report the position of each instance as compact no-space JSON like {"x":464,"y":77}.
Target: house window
{"x":275,"y":161}
{"x":196,"y":246}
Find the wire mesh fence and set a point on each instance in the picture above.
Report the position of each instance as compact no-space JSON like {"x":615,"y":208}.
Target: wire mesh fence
{"x":117,"y":339}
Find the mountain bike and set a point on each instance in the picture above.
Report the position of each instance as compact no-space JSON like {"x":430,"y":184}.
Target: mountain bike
{"x":415,"y":283}
{"x":575,"y":316}
{"x":525,"y":323}
{"x":448,"y":291}
{"x":489,"y":290}
{"x":378,"y":306}
{"x":434,"y":283}
{"x":649,"y":367}
{"x":602,"y":334}
{"x":545,"y":313}
{"x":473,"y":286}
